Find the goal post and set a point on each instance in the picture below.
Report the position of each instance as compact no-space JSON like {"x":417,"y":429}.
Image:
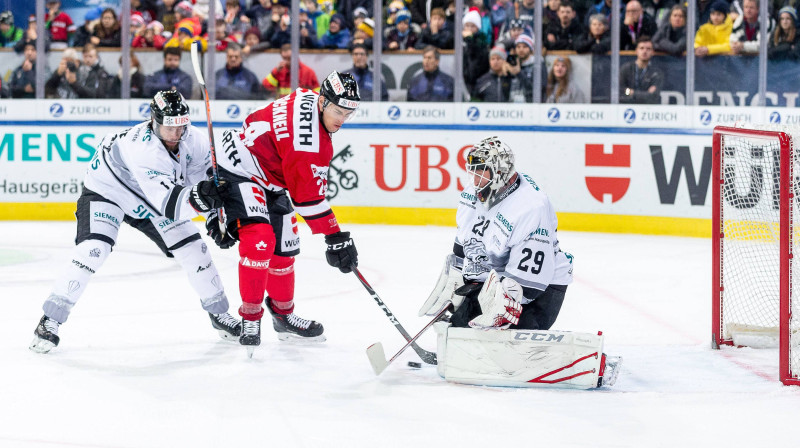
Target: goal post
{"x":754,"y":239}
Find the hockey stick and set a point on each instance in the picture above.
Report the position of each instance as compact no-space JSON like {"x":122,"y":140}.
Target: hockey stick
{"x":375,"y":353}
{"x":198,"y":73}
{"x":426,"y":356}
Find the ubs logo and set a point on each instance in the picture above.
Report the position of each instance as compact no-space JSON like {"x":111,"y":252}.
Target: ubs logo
{"x":144,"y":109}
{"x":233,"y":111}
{"x":393,"y":113}
{"x":56,"y":110}
{"x":473,"y":113}
{"x":629,"y":116}
{"x":775,"y":117}
{"x":705,"y":117}
{"x":553,"y":115}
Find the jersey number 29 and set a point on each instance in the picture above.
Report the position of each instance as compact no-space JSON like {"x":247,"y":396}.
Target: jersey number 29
{"x":538,"y":260}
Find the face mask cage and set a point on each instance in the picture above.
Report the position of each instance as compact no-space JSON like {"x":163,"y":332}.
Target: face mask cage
{"x":481,"y":176}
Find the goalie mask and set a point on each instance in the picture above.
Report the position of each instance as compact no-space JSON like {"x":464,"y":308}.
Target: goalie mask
{"x":170,"y":116}
{"x":490,"y":164}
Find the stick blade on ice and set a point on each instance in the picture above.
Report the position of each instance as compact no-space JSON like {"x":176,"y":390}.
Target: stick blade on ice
{"x":377,"y":358}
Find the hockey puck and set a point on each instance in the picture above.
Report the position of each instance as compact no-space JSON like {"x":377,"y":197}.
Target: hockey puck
{"x":414,"y":365}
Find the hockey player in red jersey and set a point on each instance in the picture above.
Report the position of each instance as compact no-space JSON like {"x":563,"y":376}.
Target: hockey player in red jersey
{"x":276,"y":165}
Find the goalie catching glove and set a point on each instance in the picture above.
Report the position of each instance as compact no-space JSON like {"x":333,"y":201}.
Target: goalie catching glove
{"x":206,"y":196}
{"x":444,"y":292}
{"x":212,"y":227}
{"x":499,"y":301}
{"x":341,"y":251}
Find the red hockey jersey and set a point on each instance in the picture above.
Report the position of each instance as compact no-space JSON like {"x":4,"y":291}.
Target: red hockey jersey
{"x":292,"y":150}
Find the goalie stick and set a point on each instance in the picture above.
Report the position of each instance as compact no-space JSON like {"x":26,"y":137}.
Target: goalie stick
{"x":426,"y":356}
{"x":376,"y":355}
{"x":198,"y":73}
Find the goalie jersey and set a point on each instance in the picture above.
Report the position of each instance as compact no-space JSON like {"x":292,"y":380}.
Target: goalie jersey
{"x":517,"y":237}
{"x":133,"y":169}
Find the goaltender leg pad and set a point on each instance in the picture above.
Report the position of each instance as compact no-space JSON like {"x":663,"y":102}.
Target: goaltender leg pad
{"x":520,"y":358}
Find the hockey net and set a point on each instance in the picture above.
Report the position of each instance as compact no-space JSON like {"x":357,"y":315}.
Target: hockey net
{"x":754,"y":210}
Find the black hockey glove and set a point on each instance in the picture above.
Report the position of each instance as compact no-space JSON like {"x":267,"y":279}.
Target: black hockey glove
{"x":223,"y":241}
{"x":205,"y":196}
{"x":341,"y":252}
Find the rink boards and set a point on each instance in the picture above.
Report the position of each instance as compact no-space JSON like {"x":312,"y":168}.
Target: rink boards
{"x":402,"y":163}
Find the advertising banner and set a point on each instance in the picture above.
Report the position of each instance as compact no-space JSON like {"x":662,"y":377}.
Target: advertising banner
{"x":647,"y":174}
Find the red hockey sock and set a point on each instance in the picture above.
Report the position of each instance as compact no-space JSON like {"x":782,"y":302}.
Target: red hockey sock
{"x":256,"y":245}
{"x":280,"y":286}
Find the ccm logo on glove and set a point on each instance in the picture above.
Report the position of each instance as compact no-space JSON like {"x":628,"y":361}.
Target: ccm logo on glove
{"x":341,"y":252}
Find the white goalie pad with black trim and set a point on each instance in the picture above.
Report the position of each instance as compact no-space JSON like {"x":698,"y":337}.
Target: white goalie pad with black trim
{"x":519,"y":358}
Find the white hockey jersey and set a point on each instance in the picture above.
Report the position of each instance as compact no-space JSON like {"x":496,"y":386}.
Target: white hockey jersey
{"x":133,"y":169}
{"x":516,"y":237}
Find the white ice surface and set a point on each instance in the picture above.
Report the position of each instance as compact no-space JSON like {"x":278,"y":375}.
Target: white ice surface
{"x":140,"y":366}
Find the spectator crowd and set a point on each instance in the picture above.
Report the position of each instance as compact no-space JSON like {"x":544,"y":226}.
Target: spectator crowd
{"x":496,"y":37}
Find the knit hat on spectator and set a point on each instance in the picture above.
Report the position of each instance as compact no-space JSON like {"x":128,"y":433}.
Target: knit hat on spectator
{"x":252,"y":30}
{"x":396,"y":6}
{"x":137,"y":19}
{"x":367,"y":26}
{"x":788,"y":10}
{"x":525,"y":39}
{"x":516,"y":23}
{"x":156,"y":26}
{"x":360,"y":12}
{"x":720,"y":6}
{"x":499,"y":50}
{"x":185,"y":8}
{"x":402,"y":15}
{"x":31,"y":18}
{"x":93,"y":14}
{"x":474,"y":17}
{"x":338,"y":18}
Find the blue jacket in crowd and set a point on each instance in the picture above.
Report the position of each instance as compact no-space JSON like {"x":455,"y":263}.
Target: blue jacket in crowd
{"x":433,"y":86}
{"x":165,"y":80}
{"x":238,"y":84}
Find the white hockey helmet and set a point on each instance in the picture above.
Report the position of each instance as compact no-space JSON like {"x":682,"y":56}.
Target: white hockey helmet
{"x":490,"y":163}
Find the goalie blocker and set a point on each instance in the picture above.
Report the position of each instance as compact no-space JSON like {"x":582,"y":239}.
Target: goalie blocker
{"x":524,"y":358}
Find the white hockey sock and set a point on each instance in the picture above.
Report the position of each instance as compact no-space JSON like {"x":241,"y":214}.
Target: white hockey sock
{"x":195,"y":259}
{"x":87,"y":258}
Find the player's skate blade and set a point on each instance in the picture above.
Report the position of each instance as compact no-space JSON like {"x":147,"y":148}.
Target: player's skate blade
{"x":251,"y":335}
{"x":228,"y":327}
{"x":293,"y":328}
{"x":45,"y":336}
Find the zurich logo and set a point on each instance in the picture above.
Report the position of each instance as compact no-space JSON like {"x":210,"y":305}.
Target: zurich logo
{"x":705,"y":117}
{"x":553,"y":115}
{"x":56,"y":110}
{"x":775,"y":117}
{"x":233,"y":111}
{"x":473,"y":113}
{"x":144,"y":109}
{"x":393,"y":113}
{"x":629,"y":116}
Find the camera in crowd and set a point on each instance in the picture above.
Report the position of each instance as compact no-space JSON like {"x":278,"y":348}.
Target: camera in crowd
{"x":71,"y":66}
{"x":512,"y":59}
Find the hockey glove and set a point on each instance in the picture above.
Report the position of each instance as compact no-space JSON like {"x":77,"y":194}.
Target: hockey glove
{"x":499,"y":303}
{"x":341,"y":252}
{"x":445,"y":290}
{"x":212,"y":226}
{"x":206,"y":196}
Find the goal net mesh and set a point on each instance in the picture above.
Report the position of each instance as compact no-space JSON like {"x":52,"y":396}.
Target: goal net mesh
{"x":751,"y":246}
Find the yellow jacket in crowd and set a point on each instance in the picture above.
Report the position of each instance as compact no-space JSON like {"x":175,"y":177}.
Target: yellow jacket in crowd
{"x":715,"y":37}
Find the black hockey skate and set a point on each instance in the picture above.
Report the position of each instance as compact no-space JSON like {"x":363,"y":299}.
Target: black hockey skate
{"x":251,"y":335}
{"x":290,"y":327}
{"x":46,"y":335}
{"x":229,"y":327}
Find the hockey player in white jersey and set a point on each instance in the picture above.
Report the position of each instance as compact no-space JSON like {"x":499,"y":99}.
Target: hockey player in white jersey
{"x":143,"y":176}
{"x":507,"y":270}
